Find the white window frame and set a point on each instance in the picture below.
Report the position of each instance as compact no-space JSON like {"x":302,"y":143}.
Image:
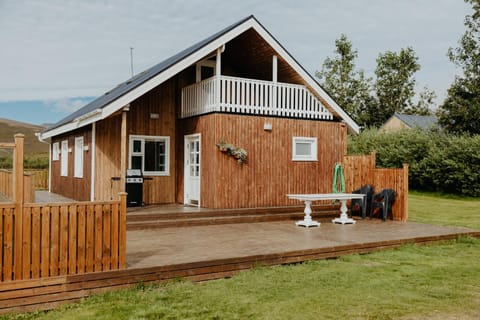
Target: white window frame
{"x":55,"y":151}
{"x":64,"y":159}
{"x":144,"y":138}
{"x":313,"y":155}
{"x":78,"y":158}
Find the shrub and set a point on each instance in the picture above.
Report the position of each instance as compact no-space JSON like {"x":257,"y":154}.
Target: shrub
{"x":437,"y":161}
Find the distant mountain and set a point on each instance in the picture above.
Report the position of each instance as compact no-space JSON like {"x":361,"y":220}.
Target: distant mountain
{"x":8,"y":128}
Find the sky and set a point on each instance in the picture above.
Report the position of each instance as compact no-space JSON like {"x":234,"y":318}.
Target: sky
{"x":57,"y":55}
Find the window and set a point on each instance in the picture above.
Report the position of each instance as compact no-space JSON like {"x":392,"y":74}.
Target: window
{"x":304,"y":149}
{"x":64,"y":159}
{"x":150,"y":154}
{"x":78,"y":163}
{"x":55,"y":151}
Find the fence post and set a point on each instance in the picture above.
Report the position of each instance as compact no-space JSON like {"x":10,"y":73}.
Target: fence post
{"x":122,"y":230}
{"x":405,"y":191}
{"x":18,"y":198}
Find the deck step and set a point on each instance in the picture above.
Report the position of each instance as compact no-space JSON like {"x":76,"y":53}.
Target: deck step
{"x":161,"y":220}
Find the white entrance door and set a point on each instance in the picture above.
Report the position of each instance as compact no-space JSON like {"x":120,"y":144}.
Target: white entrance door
{"x":192,"y":170}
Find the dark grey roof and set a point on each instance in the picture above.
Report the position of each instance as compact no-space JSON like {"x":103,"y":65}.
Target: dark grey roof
{"x":142,"y":77}
{"x":422,"y":122}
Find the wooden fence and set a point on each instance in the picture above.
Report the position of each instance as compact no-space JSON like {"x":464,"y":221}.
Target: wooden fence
{"x":6,"y":186}
{"x":44,"y":240}
{"x":40,"y":178}
{"x":361,"y":170}
{"x":55,"y":239}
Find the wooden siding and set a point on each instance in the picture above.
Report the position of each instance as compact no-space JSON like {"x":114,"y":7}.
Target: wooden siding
{"x":156,"y":189}
{"x":60,"y":239}
{"x":269,"y":173}
{"x":107,"y":158}
{"x":361,"y":170}
{"x":161,"y":100}
{"x":69,"y":186}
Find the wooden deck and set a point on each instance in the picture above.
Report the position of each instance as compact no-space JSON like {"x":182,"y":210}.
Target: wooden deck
{"x":202,"y":253}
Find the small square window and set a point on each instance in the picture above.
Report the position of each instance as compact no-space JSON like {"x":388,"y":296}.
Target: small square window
{"x":304,"y":149}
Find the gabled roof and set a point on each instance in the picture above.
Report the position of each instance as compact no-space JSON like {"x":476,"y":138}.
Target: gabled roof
{"x":126,"y":92}
{"x":412,"y":120}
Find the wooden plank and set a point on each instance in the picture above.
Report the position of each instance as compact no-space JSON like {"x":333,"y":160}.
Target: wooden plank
{"x":55,"y":241}
{"x":72,"y":240}
{"x":27,"y":244}
{"x":36,"y":242}
{"x":106,"y":238}
{"x":63,"y":248}
{"x":115,"y":236}
{"x":98,"y":237}
{"x":8,"y":245}
{"x":90,"y":234}
{"x":122,"y":258}
{"x":45,"y":243}
{"x":81,"y":245}
{"x":2,"y":241}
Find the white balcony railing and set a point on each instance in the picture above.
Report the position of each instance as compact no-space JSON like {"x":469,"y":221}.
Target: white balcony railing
{"x":256,"y":97}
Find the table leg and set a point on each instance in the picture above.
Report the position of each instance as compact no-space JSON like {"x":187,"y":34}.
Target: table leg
{"x":344,"y":219}
{"x":307,"y":219}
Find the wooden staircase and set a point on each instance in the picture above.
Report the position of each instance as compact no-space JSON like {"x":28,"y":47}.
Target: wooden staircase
{"x":152,"y":219}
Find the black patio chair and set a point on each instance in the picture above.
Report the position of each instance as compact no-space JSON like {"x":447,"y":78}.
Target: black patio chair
{"x":384,"y":201}
{"x":362,"y":206}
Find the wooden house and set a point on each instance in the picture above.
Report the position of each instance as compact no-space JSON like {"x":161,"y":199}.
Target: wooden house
{"x":238,"y":86}
{"x":401,"y":121}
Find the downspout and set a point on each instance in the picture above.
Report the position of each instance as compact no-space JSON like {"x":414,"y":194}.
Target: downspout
{"x":92,"y":159}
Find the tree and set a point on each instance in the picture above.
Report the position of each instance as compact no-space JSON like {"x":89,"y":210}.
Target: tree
{"x":395,"y":83}
{"x":460,"y":112}
{"x":424,"y":103}
{"x":347,"y":86}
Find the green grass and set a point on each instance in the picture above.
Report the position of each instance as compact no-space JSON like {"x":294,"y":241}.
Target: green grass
{"x":412,"y":282}
{"x":444,"y":210}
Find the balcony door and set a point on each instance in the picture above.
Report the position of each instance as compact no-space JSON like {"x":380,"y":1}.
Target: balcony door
{"x":192,"y":170}
{"x":205,"y":69}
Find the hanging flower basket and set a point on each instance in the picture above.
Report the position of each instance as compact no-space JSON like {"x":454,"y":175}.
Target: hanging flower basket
{"x":238,"y":153}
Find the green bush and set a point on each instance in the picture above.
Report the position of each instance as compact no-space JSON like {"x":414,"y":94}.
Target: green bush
{"x":39,"y":161}
{"x":437,"y":161}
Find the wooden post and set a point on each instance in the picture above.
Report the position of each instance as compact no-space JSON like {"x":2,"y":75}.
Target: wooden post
{"x":274,"y":69}
{"x":123,"y":148}
{"x":218,"y":73}
{"x":122,"y":237}
{"x":405,"y":192}
{"x":18,"y":198}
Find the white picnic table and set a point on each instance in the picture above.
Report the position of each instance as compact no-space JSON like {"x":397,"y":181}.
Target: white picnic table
{"x":308,"y":198}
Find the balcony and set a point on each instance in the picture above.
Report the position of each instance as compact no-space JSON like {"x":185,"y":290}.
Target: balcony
{"x":253,"y":97}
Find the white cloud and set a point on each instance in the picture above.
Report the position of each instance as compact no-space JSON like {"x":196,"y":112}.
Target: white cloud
{"x":55,"y":49}
{"x":66,"y":105}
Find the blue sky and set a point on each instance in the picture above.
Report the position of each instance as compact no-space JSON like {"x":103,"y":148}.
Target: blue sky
{"x":56,"y":54}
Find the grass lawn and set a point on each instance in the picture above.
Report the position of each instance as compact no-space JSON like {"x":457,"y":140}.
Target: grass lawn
{"x":440,"y":281}
{"x":443,"y":210}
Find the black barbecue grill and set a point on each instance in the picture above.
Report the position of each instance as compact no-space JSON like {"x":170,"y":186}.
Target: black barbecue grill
{"x":134,"y":187}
